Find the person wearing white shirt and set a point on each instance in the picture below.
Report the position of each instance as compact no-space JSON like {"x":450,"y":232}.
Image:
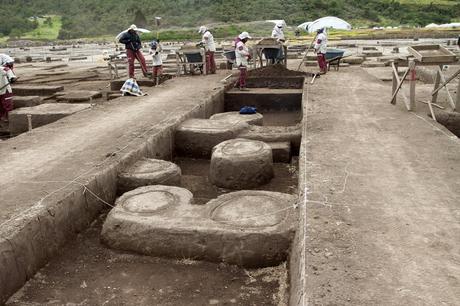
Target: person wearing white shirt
{"x":321,"y":50}
{"x":6,"y":92}
{"x":243,"y":56}
{"x":6,"y":61}
{"x":210,"y":47}
{"x":278,"y":34}
{"x":155,"y":50}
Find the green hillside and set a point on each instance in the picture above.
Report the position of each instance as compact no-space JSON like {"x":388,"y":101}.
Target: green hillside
{"x":89,"y":18}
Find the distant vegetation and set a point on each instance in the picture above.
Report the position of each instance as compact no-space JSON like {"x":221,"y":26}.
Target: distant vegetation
{"x":90,"y":18}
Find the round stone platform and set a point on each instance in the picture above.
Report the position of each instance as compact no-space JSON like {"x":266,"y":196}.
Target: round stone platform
{"x":241,"y":164}
{"x":197,"y":137}
{"x":147,"y":172}
{"x":254,"y":119}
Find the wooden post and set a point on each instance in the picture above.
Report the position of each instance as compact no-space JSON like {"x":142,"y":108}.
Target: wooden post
{"x":457,"y":102}
{"x":437,"y":81}
{"x":413,"y":81}
{"x":395,"y":81}
{"x":444,"y":82}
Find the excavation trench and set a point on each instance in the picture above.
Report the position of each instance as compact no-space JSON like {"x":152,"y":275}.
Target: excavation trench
{"x":211,"y":247}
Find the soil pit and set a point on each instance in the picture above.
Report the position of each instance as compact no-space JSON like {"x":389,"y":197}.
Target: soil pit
{"x":87,"y":273}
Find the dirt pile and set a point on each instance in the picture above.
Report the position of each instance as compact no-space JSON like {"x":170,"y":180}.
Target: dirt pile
{"x":275,"y":71}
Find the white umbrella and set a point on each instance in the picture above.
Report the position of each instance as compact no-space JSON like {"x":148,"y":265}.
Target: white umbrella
{"x":141,"y":30}
{"x":277,"y":21}
{"x":329,"y":23}
{"x":304,"y":26}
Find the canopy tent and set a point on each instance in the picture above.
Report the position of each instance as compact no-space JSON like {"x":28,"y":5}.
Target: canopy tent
{"x":329,"y":23}
{"x":432,"y":25}
{"x":304,"y":26}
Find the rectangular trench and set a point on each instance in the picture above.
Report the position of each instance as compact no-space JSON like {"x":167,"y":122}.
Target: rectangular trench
{"x":85,"y":271}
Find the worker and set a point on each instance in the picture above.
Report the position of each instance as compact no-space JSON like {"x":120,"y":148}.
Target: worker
{"x":7,"y":77}
{"x":210,"y":47}
{"x":321,"y":49}
{"x":155,"y":50}
{"x":6,"y":61}
{"x":133,"y":46}
{"x":243,"y":56}
{"x":278,"y":32}
{"x":276,"y":55}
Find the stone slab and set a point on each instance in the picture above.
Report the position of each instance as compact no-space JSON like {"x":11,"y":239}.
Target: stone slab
{"x":36,"y":90}
{"x":371,"y":53}
{"x":255,"y":119}
{"x":281,"y":151}
{"x":290,"y":134}
{"x":372,"y":64}
{"x":246,"y":228}
{"x":41,"y":115}
{"x":26,"y":101}
{"x":353,"y":60}
{"x":198,"y":137}
{"x":78,"y":96}
{"x":149,"y":171}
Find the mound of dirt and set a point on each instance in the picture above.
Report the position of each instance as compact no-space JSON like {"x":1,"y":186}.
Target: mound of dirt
{"x":274,"y":71}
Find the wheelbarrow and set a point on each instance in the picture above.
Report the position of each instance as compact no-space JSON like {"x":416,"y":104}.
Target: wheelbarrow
{"x":333,"y":58}
{"x":230,"y":56}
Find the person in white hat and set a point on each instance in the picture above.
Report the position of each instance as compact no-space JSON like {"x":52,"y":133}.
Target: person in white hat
{"x":321,"y":50}
{"x":210,"y":47}
{"x":242,"y":58}
{"x":278,"y":32}
{"x":133,"y":46}
{"x":7,"y":77}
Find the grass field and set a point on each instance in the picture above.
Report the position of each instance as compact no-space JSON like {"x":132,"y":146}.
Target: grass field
{"x":45,"y":31}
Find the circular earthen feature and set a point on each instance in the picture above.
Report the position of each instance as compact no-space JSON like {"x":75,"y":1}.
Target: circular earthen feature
{"x":241,"y":164}
{"x":251,"y":208}
{"x":151,"y":200}
{"x":197,"y":137}
{"x":253,"y":119}
{"x":147,"y":172}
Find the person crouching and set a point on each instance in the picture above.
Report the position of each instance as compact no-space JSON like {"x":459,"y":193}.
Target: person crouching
{"x":155,"y":50}
{"x":242,"y":59}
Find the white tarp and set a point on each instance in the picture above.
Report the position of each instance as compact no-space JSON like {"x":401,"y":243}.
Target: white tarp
{"x":329,"y":23}
{"x":432,"y":25}
{"x":304,"y":26}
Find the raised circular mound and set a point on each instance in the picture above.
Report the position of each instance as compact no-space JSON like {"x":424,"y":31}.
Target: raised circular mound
{"x":150,"y":200}
{"x":197,"y":137}
{"x":241,"y":164}
{"x":254,"y":119}
{"x":251,"y":208}
{"x":147,"y":172}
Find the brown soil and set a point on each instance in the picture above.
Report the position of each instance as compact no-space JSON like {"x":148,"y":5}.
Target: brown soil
{"x":274,"y":71}
{"x":87,"y":273}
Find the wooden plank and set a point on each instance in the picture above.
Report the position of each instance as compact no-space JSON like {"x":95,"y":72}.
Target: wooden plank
{"x":400,"y":85}
{"x":412,"y":84}
{"x":437,"y":81}
{"x":443,"y":80}
{"x":395,"y":80}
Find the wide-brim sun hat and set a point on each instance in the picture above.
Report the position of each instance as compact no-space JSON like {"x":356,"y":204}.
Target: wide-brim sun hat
{"x":202,"y":29}
{"x":244,"y":35}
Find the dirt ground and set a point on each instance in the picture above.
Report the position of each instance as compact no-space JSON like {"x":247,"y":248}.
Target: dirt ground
{"x":88,"y":273}
{"x":383,"y":213}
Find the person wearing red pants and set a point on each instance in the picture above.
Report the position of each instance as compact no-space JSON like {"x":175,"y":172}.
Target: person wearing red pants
{"x":210,"y":47}
{"x":242,"y":59}
{"x":7,"y":77}
{"x":321,"y":49}
{"x":156,"y":50}
{"x":133,"y":46}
